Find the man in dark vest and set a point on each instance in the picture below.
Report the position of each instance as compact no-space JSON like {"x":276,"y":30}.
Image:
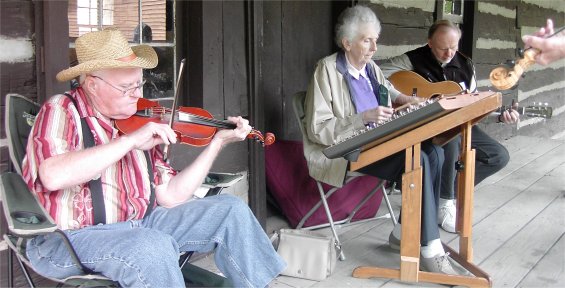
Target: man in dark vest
{"x":438,"y":61}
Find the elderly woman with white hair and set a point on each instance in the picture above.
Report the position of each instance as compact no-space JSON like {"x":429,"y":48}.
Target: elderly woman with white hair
{"x":348,"y":92}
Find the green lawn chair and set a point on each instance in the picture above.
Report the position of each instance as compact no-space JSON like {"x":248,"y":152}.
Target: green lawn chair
{"x":26,"y":218}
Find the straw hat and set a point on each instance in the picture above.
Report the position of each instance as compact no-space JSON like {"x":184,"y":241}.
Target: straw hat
{"x":107,"y":49}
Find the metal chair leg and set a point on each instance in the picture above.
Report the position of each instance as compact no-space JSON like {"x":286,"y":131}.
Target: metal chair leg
{"x":25,"y":272}
{"x":10,"y":269}
{"x":387,"y":201}
{"x":330,"y":220}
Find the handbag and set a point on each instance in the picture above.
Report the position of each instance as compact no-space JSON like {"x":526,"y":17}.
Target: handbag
{"x":308,"y":255}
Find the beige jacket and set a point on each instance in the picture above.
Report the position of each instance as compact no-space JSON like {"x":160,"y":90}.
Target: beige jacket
{"x":329,"y":117}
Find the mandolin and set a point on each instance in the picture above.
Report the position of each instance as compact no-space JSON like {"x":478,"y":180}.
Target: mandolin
{"x":411,"y":83}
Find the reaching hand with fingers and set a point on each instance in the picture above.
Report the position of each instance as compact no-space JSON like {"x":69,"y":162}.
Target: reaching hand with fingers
{"x":550,"y":44}
{"x":377,"y":115}
{"x":151,"y":135}
{"x":510,"y":116}
{"x":240,"y":133}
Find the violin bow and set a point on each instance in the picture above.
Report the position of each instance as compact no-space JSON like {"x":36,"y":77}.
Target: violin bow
{"x":173,"y":108}
{"x":555,"y":32}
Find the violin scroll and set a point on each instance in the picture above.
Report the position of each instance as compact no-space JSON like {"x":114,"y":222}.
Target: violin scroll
{"x":504,"y":78}
{"x":266,"y":140}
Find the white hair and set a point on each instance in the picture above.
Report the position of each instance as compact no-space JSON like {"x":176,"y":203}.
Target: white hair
{"x":349,"y":21}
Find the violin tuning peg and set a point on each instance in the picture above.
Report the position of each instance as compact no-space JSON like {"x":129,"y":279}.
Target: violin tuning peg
{"x":510,"y":63}
{"x":520,"y":52}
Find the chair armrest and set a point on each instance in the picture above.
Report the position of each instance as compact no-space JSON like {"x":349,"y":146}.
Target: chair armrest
{"x":215,"y":179}
{"x":215,"y":182}
{"x":24,"y":215}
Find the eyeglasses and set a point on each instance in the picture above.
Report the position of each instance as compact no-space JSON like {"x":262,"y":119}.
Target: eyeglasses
{"x":125,"y":93}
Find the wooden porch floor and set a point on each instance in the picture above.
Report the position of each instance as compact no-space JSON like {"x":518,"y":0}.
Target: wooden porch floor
{"x":518,"y":227}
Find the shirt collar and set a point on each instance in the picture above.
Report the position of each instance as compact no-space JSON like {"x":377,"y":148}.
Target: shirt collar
{"x":354,"y":72}
{"x":85,"y":110}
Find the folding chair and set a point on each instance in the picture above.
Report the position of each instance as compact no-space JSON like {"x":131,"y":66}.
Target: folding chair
{"x":298,"y":106}
{"x":26,"y":218}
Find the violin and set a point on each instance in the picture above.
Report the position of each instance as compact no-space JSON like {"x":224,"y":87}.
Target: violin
{"x":504,"y":78}
{"x":193,"y":126}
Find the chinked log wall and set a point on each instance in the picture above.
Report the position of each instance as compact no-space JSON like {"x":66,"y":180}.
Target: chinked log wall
{"x":497,"y":27}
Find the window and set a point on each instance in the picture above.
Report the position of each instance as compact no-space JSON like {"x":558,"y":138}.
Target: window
{"x":142,"y":22}
{"x":451,"y":10}
{"x":90,"y":15}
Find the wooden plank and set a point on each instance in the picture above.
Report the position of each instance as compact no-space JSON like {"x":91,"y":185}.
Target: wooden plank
{"x":489,"y":198}
{"x":530,"y":198}
{"x":212,"y":57}
{"x":514,"y":259}
{"x":298,"y":59}
{"x":234,"y":56}
{"x":271,"y":60}
{"x":521,"y":153}
{"x":256,"y":157}
{"x":550,"y":270}
{"x":56,"y":32}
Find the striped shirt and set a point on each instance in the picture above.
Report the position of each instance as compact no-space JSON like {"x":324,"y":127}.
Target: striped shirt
{"x":125,"y":184}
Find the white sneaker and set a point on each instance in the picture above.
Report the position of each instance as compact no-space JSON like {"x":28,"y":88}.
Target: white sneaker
{"x":446,"y":215}
{"x":438,"y":264}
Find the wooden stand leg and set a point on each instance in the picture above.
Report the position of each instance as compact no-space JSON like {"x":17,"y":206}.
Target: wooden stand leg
{"x":411,"y":213}
{"x":465,"y":195}
{"x":411,"y":224}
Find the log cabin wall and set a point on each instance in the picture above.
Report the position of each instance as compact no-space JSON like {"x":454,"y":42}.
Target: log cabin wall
{"x":497,"y":30}
{"x":17,"y":59}
{"x":492,"y":33}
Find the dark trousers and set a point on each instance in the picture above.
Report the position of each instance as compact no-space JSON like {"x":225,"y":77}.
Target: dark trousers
{"x":431,"y":159}
{"x":491,"y":156}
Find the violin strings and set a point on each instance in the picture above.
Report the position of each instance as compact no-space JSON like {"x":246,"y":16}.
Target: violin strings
{"x":202,"y":119}
{"x":210,"y":121}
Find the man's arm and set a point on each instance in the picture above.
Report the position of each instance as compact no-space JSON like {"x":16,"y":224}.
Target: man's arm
{"x":182,"y":186}
{"x":87,"y":164}
{"x":395,"y":64}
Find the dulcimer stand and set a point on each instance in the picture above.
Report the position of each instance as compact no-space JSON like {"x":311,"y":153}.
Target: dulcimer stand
{"x":441,"y":129}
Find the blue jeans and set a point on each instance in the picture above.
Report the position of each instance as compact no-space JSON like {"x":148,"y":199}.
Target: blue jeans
{"x":145,"y":253}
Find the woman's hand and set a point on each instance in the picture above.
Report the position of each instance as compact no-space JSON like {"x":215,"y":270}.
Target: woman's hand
{"x":377,"y":115}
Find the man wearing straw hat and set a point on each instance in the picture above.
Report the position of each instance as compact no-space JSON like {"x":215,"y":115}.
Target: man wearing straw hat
{"x":139,"y":243}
